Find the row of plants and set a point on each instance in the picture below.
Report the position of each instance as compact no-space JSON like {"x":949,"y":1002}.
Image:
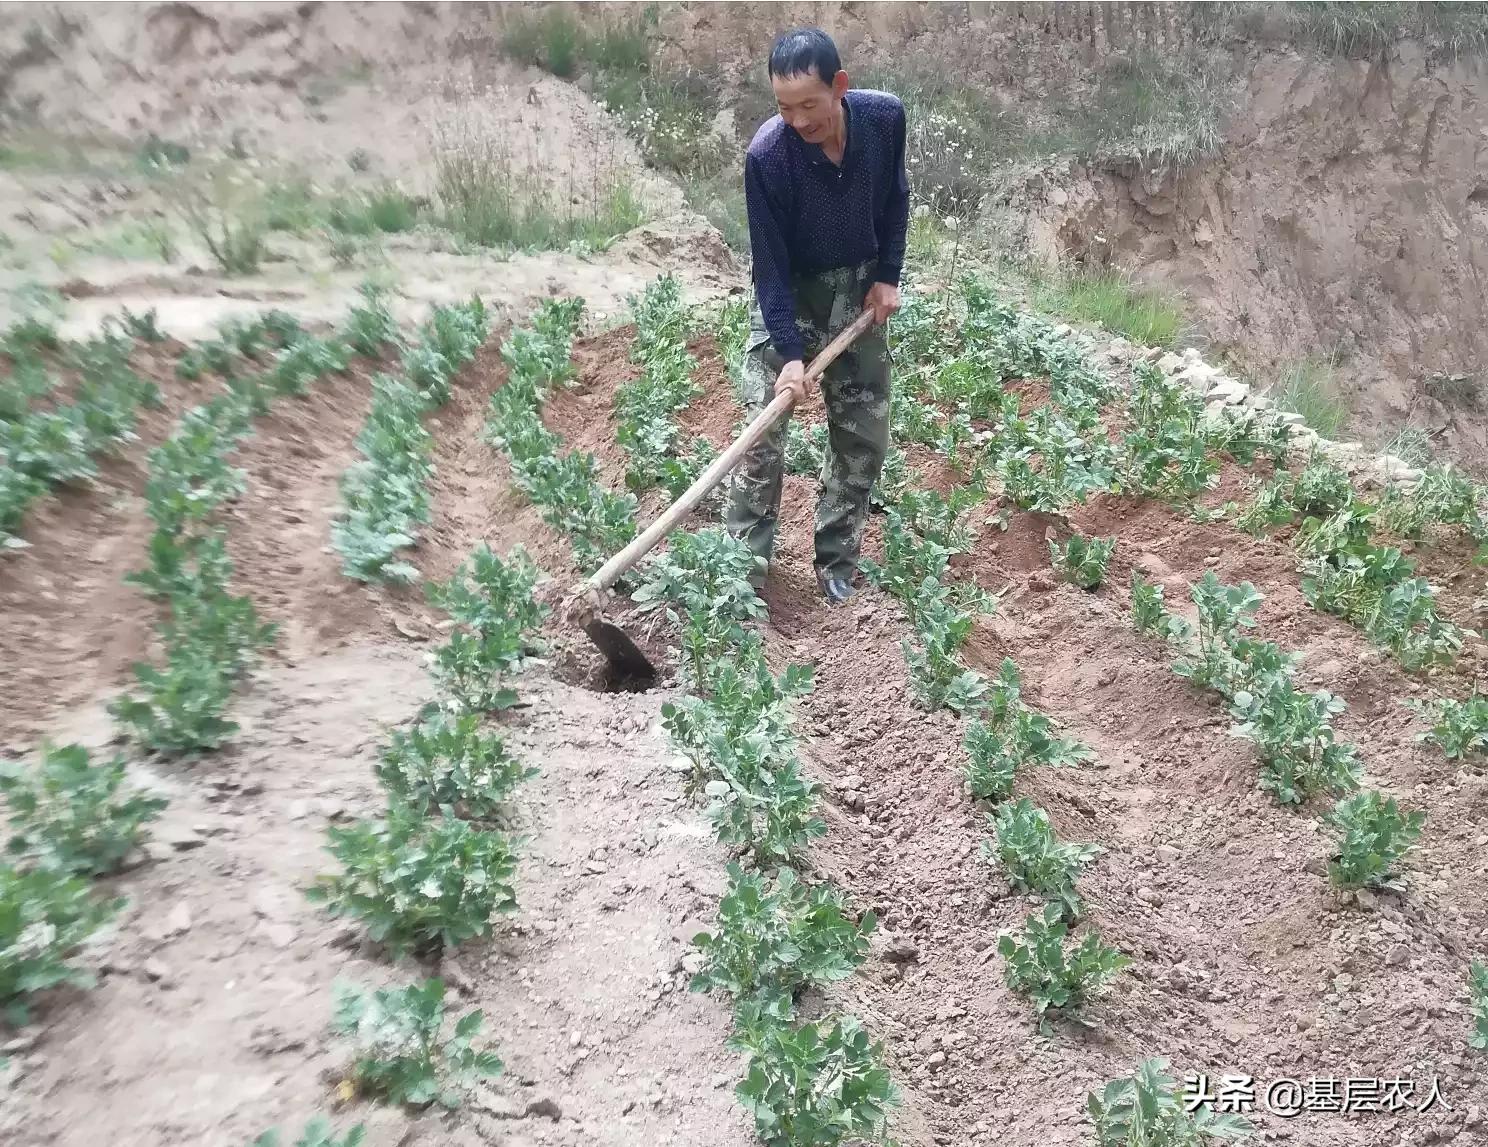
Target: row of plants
{"x":385,"y":495}
{"x":646,"y":407}
{"x":433,"y":870}
{"x":1045,"y":462}
{"x":565,"y":486}
{"x":818,"y":1082}
{"x":209,"y":636}
{"x":72,"y":819}
{"x":1348,"y":570}
{"x":1291,"y":729}
{"x":1003,"y":734}
{"x":47,"y":444}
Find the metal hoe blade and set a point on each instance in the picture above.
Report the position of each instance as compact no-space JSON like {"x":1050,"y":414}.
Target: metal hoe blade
{"x":623,"y":654}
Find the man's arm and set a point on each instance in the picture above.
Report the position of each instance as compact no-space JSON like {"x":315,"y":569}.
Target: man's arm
{"x":771,"y":263}
{"x":893,"y":223}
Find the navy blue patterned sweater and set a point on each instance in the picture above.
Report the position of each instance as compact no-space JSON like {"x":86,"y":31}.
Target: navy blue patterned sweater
{"x":806,"y":214}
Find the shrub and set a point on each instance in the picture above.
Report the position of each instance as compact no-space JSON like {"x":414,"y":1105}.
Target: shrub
{"x":418,"y":883}
{"x":776,"y":937}
{"x":70,"y":816}
{"x":399,"y":1054}
{"x":1148,"y":1110}
{"x":1375,"y":837}
{"x":45,"y":916}
{"x":1040,"y":965}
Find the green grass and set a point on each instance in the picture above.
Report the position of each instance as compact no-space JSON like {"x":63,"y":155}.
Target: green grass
{"x":1307,"y":387}
{"x":385,"y":210}
{"x":1449,"y":30}
{"x":555,"y":40}
{"x":1146,"y":317}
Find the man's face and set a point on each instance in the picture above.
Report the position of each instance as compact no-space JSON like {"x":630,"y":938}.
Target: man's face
{"x":808,"y":104}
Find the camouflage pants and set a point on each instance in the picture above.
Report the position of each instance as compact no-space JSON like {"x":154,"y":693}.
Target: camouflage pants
{"x":855,"y":389}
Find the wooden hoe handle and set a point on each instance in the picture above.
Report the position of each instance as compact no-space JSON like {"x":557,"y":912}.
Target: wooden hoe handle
{"x":612,"y":570}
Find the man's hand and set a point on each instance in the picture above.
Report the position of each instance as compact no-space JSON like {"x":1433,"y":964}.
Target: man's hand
{"x":884,"y":299}
{"x":792,"y":378}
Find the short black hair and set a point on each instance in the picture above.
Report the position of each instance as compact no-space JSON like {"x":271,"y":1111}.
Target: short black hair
{"x":803,"y":50}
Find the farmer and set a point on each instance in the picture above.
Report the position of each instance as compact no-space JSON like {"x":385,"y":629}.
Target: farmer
{"x":828,"y":204}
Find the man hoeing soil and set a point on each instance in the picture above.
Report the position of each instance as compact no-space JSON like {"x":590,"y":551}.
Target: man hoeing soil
{"x":828,"y":203}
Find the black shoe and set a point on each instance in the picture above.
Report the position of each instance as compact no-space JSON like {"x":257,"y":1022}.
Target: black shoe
{"x":836,"y":589}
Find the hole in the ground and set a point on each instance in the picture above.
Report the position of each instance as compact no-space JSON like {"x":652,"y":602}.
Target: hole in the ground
{"x":587,"y":668}
{"x":612,"y":680}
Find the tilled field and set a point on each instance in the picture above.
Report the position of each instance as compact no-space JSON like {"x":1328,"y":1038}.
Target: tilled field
{"x":211,"y":1019}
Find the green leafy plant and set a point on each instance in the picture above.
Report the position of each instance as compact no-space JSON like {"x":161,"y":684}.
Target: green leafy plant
{"x":448,"y":763}
{"x":1374,"y":838}
{"x":937,"y":677}
{"x":1223,"y":612}
{"x":1040,"y":965}
{"x":383,"y":496}
{"x":1082,"y":560}
{"x":743,"y":698}
{"x":1299,"y":751}
{"x":1009,"y":735}
{"x":1477,"y":992}
{"x":418,"y":883}
{"x":399,"y":1054}
{"x":318,"y":1133}
{"x":1035,"y":859}
{"x":820,"y":1083}
{"x":1148,"y":614}
{"x":491,"y":601}
{"x":369,"y":325}
{"x":645,"y":408}
{"x":703,"y":577}
{"x":1148,"y":1110}
{"x":71,"y":816}
{"x":210,"y":641}
{"x":45,"y":917}
{"x":760,"y":801}
{"x":776,"y":937}
{"x":1459,"y":728}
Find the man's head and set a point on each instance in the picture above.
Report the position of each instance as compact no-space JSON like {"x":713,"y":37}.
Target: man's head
{"x":809,"y":82}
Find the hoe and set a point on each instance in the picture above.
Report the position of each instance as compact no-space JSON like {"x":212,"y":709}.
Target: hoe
{"x":586,"y":606}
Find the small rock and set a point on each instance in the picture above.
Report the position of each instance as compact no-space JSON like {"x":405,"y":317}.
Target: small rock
{"x":1473,"y":1117}
{"x":134,"y":858}
{"x":278,"y":934}
{"x":299,"y":809}
{"x":157,"y":972}
{"x":179,"y":920}
{"x":720,"y":1080}
{"x":935,"y":1059}
{"x":901,"y":951}
{"x":1168,"y":852}
{"x":850,"y":783}
{"x":179,"y":837}
{"x":1342,"y":982}
{"x":544,"y":1107}
{"x":1149,"y":896}
{"x":157,"y":850}
{"x":1398,"y":956}
{"x":693,"y":963}
{"x":595,"y":867}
